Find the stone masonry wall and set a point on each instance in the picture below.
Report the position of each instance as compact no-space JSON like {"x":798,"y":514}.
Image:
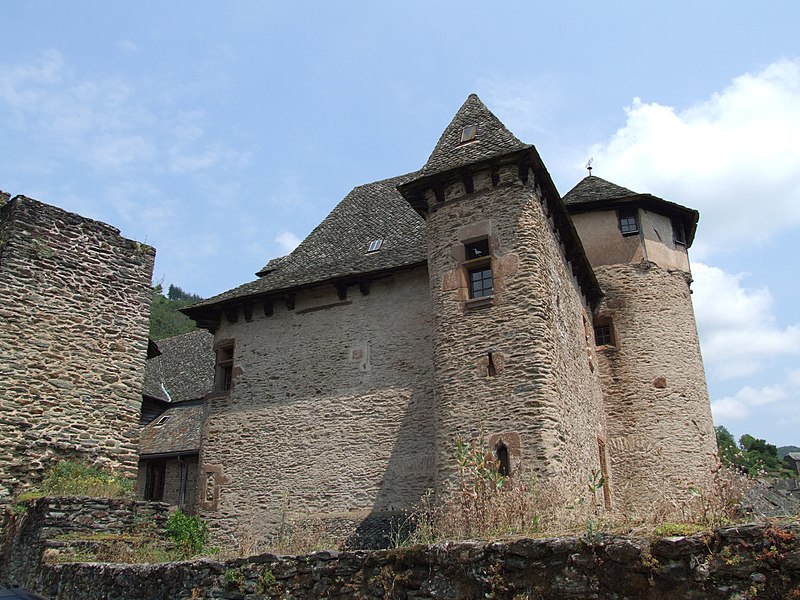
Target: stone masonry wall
{"x":330,"y":414}
{"x":74,"y":310}
{"x":37,"y":532}
{"x":660,"y":431}
{"x":735,"y":563}
{"x":545,"y":401}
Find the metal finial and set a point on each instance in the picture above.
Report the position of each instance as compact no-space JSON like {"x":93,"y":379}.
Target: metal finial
{"x":589,"y":165}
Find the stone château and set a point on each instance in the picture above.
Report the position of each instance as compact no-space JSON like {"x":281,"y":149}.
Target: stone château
{"x":466,"y":297}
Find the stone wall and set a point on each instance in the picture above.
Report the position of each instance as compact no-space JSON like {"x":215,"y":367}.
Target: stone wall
{"x":74,"y":310}
{"x":660,"y":432}
{"x":39,"y":528}
{"x":748,"y":561}
{"x":330,"y":413}
{"x":543,"y":400}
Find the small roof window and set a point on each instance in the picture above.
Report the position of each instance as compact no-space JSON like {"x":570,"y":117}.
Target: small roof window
{"x":163,"y":420}
{"x":375,"y":245}
{"x":469,"y":133}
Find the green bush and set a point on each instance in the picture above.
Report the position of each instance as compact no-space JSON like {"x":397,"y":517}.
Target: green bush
{"x":190,"y":533}
{"x":78,"y":478}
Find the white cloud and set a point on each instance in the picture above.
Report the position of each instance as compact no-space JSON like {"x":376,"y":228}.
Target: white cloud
{"x":287,"y":241}
{"x":731,"y":156}
{"x":738,"y":330}
{"x":741,"y":405}
{"x":121,"y":151}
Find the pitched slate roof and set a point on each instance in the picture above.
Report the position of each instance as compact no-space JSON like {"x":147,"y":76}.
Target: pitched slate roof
{"x":594,"y":189}
{"x":179,"y":434}
{"x":184,"y":370}
{"x":595,"y":193}
{"x":492,"y":139}
{"x":337,"y":248}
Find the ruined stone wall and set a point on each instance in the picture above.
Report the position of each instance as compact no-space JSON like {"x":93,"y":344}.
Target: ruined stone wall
{"x":748,"y":561}
{"x":545,"y":401}
{"x":660,"y":432}
{"x":74,"y":310}
{"x":40,"y":529}
{"x":330,"y":415}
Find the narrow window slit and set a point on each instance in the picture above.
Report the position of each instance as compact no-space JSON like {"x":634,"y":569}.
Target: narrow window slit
{"x":491,"y":369}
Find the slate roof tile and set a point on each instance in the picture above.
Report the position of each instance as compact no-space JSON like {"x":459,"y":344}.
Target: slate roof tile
{"x":492,"y":139}
{"x":180,"y":433}
{"x":594,"y":189}
{"x":184,"y":370}
{"x":337,"y":248}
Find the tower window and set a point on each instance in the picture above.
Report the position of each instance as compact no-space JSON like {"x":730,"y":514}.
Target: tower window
{"x":223,"y":375}
{"x":604,"y":332}
{"x":469,"y":133}
{"x":503,"y":460}
{"x":678,"y":232}
{"x":478,"y":264}
{"x":628,"y":223}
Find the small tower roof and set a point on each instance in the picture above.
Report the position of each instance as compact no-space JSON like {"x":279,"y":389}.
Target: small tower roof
{"x":491,"y":139}
{"x":594,"y":193}
{"x":594,"y":189}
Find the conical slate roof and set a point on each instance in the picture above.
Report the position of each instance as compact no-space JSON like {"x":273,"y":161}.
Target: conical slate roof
{"x":491,"y":139}
{"x":594,"y":189}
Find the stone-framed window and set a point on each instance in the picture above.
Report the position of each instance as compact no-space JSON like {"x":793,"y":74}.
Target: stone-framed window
{"x":478,"y":264}
{"x":223,"y":370}
{"x":604,"y":333}
{"x":503,"y":459}
{"x":628,"y":221}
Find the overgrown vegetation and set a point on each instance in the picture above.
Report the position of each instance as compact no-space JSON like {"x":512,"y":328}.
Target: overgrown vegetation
{"x":189,"y":533}
{"x":165,"y":319}
{"x":80,"y":478}
{"x":484,"y":504}
{"x":752,"y":456}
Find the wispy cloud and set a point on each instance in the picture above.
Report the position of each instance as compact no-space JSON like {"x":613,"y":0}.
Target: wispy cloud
{"x":740,"y":336}
{"x":524,"y":106}
{"x":729,"y":156}
{"x":287,"y":241}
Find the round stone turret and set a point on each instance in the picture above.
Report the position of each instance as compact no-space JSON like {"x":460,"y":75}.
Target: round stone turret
{"x":661,"y":434}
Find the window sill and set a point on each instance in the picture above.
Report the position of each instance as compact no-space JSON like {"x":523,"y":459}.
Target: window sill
{"x":606,"y":348}
{"x":482,"y":302}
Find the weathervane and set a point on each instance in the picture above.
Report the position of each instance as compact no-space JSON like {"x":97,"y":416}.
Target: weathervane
{"x":589,"y":166}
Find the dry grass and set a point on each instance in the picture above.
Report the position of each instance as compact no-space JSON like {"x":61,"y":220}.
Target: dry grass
{"x":482,"y":504}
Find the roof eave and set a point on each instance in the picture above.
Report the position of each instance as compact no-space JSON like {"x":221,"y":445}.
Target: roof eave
{"x":688,"y":216}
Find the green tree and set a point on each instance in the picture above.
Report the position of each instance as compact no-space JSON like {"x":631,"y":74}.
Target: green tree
{"x":726,"y":446}
{"x":165,"y":320}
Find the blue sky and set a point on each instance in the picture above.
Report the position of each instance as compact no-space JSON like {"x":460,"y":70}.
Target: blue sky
{"x":222,"y":135}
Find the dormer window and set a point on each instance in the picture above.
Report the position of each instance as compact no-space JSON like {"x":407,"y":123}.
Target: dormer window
{"x":375,"y":245}
{"x":469,"y":133}
{"x":628,"y":223}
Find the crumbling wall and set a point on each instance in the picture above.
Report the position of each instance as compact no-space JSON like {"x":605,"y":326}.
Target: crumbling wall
{"x":747,"y":561}
{"x":74,"y":311}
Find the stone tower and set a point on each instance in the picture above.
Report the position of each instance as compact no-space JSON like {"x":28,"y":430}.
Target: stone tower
{"x":660,"y":432}
{"x":512,"y":295}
